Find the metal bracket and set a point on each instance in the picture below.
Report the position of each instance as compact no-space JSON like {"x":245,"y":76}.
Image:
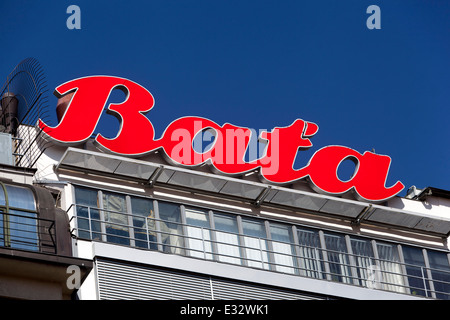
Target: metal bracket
{"x":155,"y":175}
{"x":263,"y":195}
{"x":361,"y":216}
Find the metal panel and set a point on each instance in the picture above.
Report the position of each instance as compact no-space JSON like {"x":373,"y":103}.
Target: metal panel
{"x":206,"y":183}
{"x":433,"y":225}
{"x":298,"y":200}
{"x":136,"y":170}
{"x":72,"y":158}
{"x":394,"y":218}
{"x":165,"y":175}
{"x":125,"y":281}
{"x":343,"y":208}
{"x":89,"y":160}
{"x":244,"y":190}
{"x":233,"y":290}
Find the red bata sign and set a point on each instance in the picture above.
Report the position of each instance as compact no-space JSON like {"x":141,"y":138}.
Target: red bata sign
{"x":136,"y":137}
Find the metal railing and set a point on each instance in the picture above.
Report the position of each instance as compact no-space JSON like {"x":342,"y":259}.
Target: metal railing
{"x":27,"y":232}
{"x":262,"y":253}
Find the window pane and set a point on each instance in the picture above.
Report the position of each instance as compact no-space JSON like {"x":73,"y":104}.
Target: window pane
{"x":227,"y":238}
{"x":415,"y":268}
{"x":311,"y":261}
{"x":171,"y":227}
{"x":88,"y":216}
{"x":338,"y":261}
{"x":20,"y":227}
{"x":390,"y":267}
{"x":115,"y":209}
{"x":283,"y":249}
{"x":144,"y":223}
{"x":22,"y":230}
{"x":440,"y":271}
{"x":368,"y":273}
{"x":198,"y":233}
{"x":255,"y":243}
{"x":20,"y":197}
{"x":2,"y":197}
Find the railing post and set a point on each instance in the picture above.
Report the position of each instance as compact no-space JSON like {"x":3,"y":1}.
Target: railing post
{"x":261,"y":252}
{"x":203,"y":243}
{"x":90,"y":222}
{"x":318,"y":261}
{"x":146,"y":233}
{"x":424,"y":282}
{"x":325,"y":256}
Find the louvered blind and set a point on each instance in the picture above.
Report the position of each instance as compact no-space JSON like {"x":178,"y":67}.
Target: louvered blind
{"x":232,"y":290}
{"x":125,"y":281}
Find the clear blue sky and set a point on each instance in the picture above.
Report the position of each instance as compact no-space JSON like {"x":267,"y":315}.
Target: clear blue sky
{"x":262,"y":64}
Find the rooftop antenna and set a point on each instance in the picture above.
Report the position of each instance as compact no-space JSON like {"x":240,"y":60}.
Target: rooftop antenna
{"x":23,"y":101}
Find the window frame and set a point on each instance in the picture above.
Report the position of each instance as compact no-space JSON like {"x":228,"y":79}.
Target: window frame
{"x":350,"y":276}
{"x":7,"y":211}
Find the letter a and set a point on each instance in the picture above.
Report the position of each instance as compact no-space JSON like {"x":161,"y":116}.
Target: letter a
{"x":374,"y":21}
{"x":74,"y":21}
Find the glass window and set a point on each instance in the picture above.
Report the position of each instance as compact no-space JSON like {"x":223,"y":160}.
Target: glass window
{"x":144,"y":223}
{"x":115,"y":208}
{"x":198,"y":233}
{"x":2,"y":197}
{"x":391,"y":269}
{"x":338,"y":261}
{"x":88,"y":215}
{"x":227,"y":238}
{"x":416,"y":271}
{"x":310,"y":253}
{"x":440,"y":271}
{"x":255,"y":243}
{"x":368,"y":273}
{"x":18,"y":228}
{"x":221,"y":240}
{"x":171,"y":228}
{"x":284,"y":251}
{"x":20,"y":197}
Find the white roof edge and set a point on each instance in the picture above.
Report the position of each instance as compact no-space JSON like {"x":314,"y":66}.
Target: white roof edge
{"x":363,"y":205}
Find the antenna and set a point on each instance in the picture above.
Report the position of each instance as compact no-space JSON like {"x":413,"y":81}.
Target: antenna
{"x":23,"y":101}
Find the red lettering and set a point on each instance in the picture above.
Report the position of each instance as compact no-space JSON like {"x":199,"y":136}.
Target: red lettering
{"x":284,"y":144}
{"x":136,"y":134}
{"x":368,"y":181}
{"x":83,"y":112}
{"x":226,"y":155}
{"x":136,"y":137}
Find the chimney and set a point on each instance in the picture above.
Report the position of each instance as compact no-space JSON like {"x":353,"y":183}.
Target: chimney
{"x":9,"y":109}
{"x":62,"y":105}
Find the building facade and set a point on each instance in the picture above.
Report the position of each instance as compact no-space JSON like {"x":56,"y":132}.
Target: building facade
{"x":36,"y":255}
{"x":145,"y":228}
{"x":156,"y":231}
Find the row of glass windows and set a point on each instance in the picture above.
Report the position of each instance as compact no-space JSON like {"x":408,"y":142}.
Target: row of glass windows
{"x":18,"y":218}
{"x":230,"y":238}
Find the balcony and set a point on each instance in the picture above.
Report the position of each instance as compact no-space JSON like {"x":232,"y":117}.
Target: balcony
{"x":307,"y":254}
{"x":25,"y":231}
